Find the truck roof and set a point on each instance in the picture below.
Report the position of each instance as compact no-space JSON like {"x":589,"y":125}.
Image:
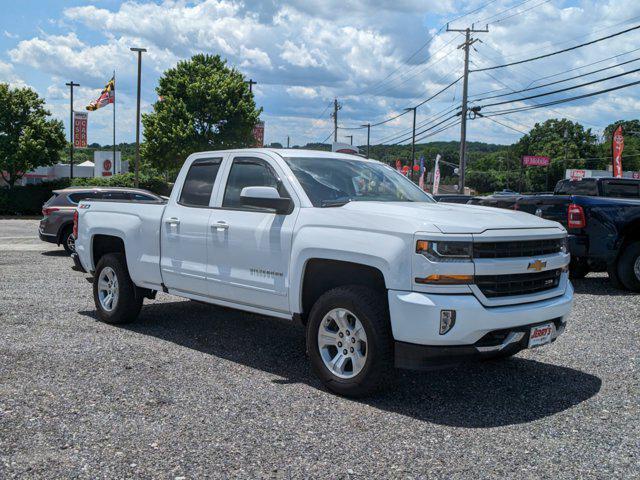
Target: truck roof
{"x":293,"y":153}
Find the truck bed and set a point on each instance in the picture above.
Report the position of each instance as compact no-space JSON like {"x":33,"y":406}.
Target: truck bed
{"x":138,"y":223}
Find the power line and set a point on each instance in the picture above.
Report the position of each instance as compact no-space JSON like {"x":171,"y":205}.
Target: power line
{"x":519,"y":12}
{"x":558,"y":51}
{"x":560,"y":81}
{"x":562,"y":89}
{"x":486,"y":19}
{"x":512,"y":89}
{"x":422,"y":123}
{"x":557,"y":102}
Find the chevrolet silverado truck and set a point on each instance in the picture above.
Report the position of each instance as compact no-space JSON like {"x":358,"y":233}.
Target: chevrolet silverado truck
{"x":379,"y":273}
{"x":602,"y":216}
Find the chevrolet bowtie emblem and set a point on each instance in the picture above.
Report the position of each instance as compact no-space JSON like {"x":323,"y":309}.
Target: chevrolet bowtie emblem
{"x":537,"y":265}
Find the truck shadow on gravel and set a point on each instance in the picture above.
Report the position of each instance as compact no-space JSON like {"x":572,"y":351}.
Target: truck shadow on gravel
{"x":484,"y":395}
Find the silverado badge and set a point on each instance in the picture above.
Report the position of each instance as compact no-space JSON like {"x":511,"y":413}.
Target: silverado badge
{"x":537,"y":265}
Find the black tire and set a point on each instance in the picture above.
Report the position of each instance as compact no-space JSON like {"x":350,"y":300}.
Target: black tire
{"x":629,"y":266}
{"x":578,"y":269}
{"x":128,"y":304}
{"x":67,"y":241}
{"x":371,"y":309}
{"x":612,"y":272}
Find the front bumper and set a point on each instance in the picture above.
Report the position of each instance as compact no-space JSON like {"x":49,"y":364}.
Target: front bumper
{"x":415,"y":323}
{"x":426,"y":357}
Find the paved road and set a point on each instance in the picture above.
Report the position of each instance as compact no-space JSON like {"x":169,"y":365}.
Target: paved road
{"x":196,"y":391}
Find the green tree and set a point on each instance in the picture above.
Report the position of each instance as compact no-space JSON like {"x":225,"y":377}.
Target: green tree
{"x":203,"y":105}
{"x":28,"y":138}
{"x":631,"y":153}
{"x":548,"y":139}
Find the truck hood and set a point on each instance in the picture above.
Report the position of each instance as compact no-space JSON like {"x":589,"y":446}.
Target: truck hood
{"x":451,"y":218}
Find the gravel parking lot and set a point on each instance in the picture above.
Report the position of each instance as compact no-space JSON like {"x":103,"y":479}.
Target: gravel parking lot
{"x":193,"y":391}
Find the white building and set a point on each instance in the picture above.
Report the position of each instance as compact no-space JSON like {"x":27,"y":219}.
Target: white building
{"x":100,"y":167}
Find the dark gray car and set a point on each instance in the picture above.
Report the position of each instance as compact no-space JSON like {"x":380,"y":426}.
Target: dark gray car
{"x":56,"y":225}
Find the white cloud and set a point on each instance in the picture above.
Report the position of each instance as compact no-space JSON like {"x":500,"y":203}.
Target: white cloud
{"x":303,"y":55}
{"x":8,"y":75}
{"x":302,"y":92}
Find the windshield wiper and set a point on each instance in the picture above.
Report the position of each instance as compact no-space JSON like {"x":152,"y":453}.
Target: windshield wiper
{"x":334,"y":203}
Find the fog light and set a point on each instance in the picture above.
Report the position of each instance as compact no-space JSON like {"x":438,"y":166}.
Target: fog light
{"x":447,"y":320}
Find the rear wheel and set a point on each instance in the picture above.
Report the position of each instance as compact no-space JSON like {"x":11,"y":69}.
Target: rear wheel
{"x":349,"y":340}
{"x":629,"y":266}
{"x":68,"y":241}
{"x":113,"y":291}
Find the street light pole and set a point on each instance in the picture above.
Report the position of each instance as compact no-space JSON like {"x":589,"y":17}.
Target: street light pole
{"x":137,"y":167}
{"x":71,"y":85}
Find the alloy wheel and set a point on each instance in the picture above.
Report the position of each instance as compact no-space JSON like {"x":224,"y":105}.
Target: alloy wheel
{"x":342,"y":342}
{"x":108,"y":290}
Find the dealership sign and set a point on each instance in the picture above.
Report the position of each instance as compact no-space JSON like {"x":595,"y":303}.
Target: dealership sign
{"x":535,"y":161}
{"x":80,"y":129}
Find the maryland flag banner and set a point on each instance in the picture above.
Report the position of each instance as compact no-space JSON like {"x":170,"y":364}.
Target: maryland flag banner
{"x":107,"y":96}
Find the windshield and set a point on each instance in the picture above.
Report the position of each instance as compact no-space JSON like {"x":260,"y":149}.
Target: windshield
{"x":333,"y":182}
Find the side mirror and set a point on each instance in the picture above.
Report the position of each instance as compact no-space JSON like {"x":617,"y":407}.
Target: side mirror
{"x":266,"y":197}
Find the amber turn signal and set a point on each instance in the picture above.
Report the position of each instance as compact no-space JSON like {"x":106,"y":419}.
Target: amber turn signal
{"x":422,"y":246}
{"x":445,"y":280}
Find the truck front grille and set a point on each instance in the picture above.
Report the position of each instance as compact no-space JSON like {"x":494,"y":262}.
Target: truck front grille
{"x":517,"y":284}
{"x":521,"y":248}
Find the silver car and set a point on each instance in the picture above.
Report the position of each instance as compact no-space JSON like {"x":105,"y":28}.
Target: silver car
{"x":56,"y":225}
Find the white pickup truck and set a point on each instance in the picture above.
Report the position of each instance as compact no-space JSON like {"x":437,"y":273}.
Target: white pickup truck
{"x":379,"y":273}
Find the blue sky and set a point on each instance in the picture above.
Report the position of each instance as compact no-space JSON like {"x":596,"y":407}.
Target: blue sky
{"x":305,"y":53}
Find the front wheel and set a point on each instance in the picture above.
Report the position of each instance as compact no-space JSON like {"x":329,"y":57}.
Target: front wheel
{"x":349,"y":340}
{"x":629,"y":266}
{"x":113,"y":291}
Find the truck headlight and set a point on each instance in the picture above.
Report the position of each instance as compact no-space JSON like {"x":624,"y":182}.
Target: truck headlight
{"x":445,"y":251}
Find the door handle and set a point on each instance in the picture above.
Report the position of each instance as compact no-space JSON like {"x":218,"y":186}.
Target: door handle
{"x":220,"y":226}
{"x":172,"y":221}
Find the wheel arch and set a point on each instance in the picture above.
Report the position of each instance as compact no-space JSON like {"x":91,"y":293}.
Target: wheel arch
{"x":103,"y":244}
{"x":61,"y":230}
{"x":321,"y":274}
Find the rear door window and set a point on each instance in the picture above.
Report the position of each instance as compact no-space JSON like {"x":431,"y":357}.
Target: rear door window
{"x":78,"y":197}
{"x":577,"y":187}
{"x":622,"y":189}
{"x":140,"y":197}
{"x":198,"y":184}
{"x":115,"y":195}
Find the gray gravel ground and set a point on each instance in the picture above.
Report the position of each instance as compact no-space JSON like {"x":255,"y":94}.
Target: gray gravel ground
{"x":194,"y":391}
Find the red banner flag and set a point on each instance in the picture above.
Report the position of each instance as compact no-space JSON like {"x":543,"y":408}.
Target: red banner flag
{"x":79,"y":129}
{"x":617,"y":146}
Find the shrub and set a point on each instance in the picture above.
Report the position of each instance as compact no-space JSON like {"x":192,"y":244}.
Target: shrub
{"x":28,"y":200}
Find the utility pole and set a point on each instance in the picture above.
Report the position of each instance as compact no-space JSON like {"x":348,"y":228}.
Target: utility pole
{"x":251,"y":84}
{"x":465,"y":90}
{"x":287,"y":141}
{"x":139,"y":50}
{"x":71,"y":85}
{"x":368,"y":125}
{"x":413,"y":139}
{"x":566,"y":151}
{"x":336,"y":107}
